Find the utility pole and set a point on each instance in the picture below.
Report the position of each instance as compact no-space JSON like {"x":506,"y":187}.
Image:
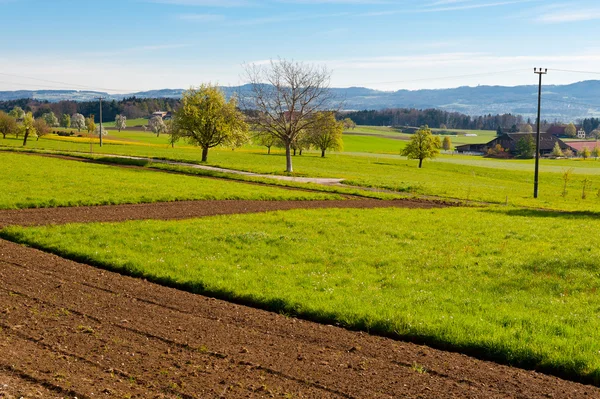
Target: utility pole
{"x":539,"y":72}
{"x":100,"y":131}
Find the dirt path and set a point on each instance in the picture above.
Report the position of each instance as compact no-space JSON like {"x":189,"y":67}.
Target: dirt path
{"x":68,"y":329}
{"x":184,"y":210}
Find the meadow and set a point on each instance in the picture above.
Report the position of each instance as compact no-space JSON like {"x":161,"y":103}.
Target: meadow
{"x":517,"y":286}
{"x":34,"y":182}
{"x":448,"y":176}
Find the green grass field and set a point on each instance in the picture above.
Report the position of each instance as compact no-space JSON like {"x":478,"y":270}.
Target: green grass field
{"x":506,"y":284}
{"x":449,"y":176}
{"x":129,"y":122}
{"x":33,"y":181}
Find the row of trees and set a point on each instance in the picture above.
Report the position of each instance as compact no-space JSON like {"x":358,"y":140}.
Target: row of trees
{"x":434,"y":118}
{"x":25,"y":125}
{"x":129,"y":107}
{"x":289,"y":104}
{"x":207,"y":119}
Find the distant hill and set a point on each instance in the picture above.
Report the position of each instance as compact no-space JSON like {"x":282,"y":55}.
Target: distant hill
{"x":560,"y":102}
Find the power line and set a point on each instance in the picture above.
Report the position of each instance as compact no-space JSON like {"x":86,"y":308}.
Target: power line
{"x":450,"y":77}
{"x":573,"y":71}
{"x":65,"y":83}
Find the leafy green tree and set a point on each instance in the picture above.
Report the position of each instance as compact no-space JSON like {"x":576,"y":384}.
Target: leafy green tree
{"x":447,"y":143}
{"x":41,"y":127}
{"x":422,"y":145}
{"x":51,"y":119}
{"x":207,"y":119}
{"x":325,"y":133}
{"x":27,"y":126}
{"x":568,"y":153}
{"x":8,"y":124}
{"x":78,"y":122}
{"x":556,"y":151}
{"x":571,"y":130}
{"x":264,"y":139}
{"x":65,"y":121}
{"x":120,"y":122}
{"x":585,"y":153}
{"x":513,"y":129}
{"x":499,"y":131}
{"x":90,"y":125}
{"x":525,"y":147}
{"x":596,"y":152}
{"x":17,"y":113}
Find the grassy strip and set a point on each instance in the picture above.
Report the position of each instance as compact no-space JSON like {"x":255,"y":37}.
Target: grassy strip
{"x":35,"y":182}
{"x":230,"y":176}
{"x":467,"y":178}
{"x":479,"y":281}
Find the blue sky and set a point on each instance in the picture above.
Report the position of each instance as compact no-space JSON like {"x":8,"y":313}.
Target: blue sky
{"x":131,"y":45}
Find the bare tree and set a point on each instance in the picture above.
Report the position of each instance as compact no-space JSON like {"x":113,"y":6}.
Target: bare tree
{"x":287,"y":94}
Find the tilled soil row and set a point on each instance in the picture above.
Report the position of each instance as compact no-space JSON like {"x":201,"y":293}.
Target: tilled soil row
{"x":185,"y":210}
{"x":68,"y":329}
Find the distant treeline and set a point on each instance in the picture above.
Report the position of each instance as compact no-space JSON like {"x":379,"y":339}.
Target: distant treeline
{"x":434,"y":118}
{"x":130,"y":107}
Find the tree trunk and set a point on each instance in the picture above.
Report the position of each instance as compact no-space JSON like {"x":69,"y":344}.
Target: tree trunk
{"x":301,"y":152}
{"x":322,"y":153}
{"x":269,"y":150}
{"x":288,"y":159}
{"x":294,"y":152}
{"x":25,"y":138}
{"x":420,"y":163}
{"x":204,"y":154}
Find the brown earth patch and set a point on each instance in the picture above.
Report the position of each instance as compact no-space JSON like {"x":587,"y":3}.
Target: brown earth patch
{"x":68,"y":329}
{"x":185,"y":210}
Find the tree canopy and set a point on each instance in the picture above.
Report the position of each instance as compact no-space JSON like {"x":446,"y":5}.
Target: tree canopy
{"x":120,"y":122}
{"x":8,"y":124}
{"x":325,"y":133}
{"x":207,"y":119}
{"x":285,"y":96}
{"x":78,"y":122}
{"x":423,"y":145}
{"x":571,"y":130}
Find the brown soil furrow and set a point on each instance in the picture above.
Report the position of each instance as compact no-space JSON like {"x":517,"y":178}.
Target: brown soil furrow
{"x":185,"y":210}
{"x":306,"y":340}
{"x":74,"y":335}
{"x":15,"y":384}
{"x":292,"y":355}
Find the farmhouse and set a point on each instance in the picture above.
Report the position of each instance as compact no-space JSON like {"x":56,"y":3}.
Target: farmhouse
{"x":509,"y":141}
{"x":163,"y":114}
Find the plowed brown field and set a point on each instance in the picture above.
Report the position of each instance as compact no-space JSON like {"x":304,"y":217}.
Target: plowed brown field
{"x":72,"y":330}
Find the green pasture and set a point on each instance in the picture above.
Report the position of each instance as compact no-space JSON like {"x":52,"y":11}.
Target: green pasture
{"x":518,"y":286}
{"x":32,"y":181}
{"x":372,"y":144}
{"x":449,"y":176}
{"x":129,"y":122}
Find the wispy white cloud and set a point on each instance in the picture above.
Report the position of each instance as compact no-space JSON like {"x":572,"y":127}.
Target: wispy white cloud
{"x":207,"y":3}
{"x":135,"y":50}
{"x":460,"y":5}
{"x":312,"y":2}
{"x":569,"y":14}
{"x":202,"y":17}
